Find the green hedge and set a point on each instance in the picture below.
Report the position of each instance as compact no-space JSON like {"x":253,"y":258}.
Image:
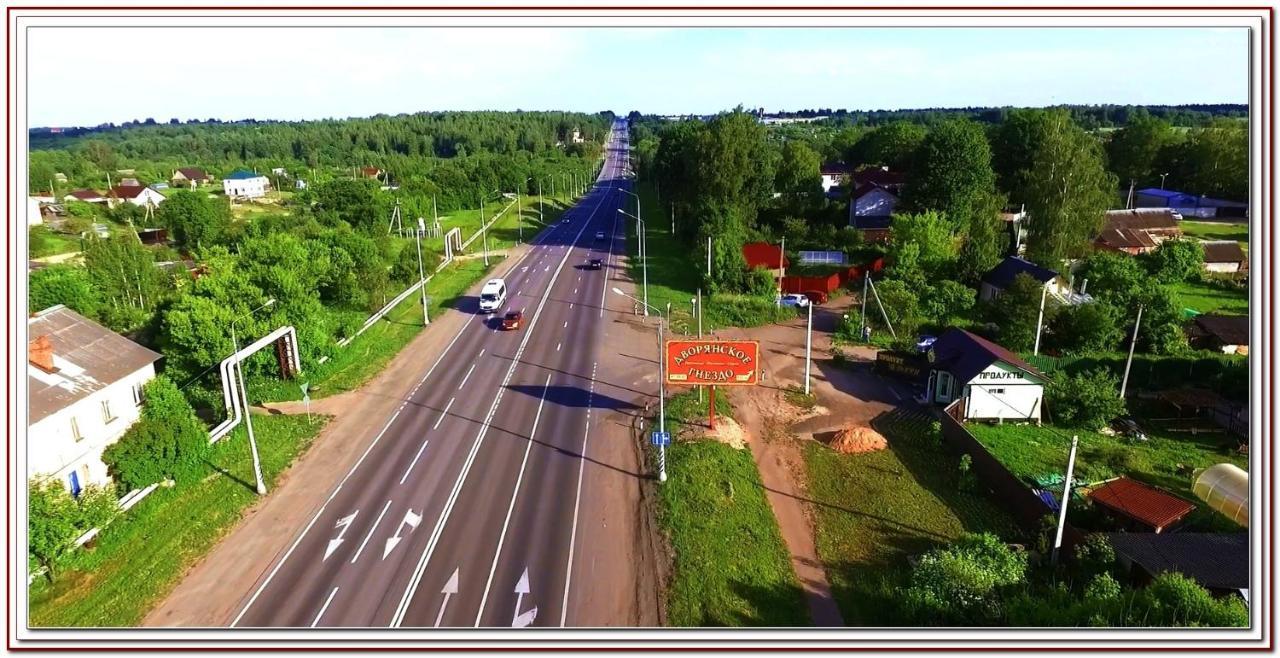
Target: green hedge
{"x":1226,"y":374}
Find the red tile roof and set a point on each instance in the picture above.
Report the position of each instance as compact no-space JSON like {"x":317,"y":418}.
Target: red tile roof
{"x":1141,"y":502}
{"x":1145,"y":219}
{"x":126,"y":191}
{"x":763,"y":254}
{"x":1125,"y":238}
{"x":85,"y":195}
{"x":880,"y":177}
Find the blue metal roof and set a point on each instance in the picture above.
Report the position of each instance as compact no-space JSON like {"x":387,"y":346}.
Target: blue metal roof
{"x":241,"y":174}
{"x":1154,"y":191}
{"x":1002,"y":275}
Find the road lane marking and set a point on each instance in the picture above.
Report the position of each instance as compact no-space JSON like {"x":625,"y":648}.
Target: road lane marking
{"x":336,"y":489}
{"x":464,"y":379}
{"x":557,"y":347}
{"x":324,"y":607}
{"x":344,"y":523}
{"x":416,"y":578}
{"x":410,"y":519}
{"x":450,"y":588}
{"x":443,"y":414}
{"x":577,"y":499}
{"x":566,"y":324}
{"x":415,"y":461}
{"x":370,"y":535}
{"x":515,"y":492}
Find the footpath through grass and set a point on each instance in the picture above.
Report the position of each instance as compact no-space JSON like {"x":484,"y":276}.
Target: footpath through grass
{"x":876,"y":509}
{"x":676,"y":273}
{"x":731,"y":565}
{"x":141,"y":556}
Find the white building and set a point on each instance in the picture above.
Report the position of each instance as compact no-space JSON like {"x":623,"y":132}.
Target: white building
{"x":85,"y":387}
{"x":994,"y":383}
{"x":138,"y":195}
{"x":33,"y":212}
{"x":246,"y":184}
{"x":833,"y":175}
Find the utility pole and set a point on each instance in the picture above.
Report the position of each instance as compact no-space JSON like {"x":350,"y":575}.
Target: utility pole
{"x":673,"y":219}
{"x":540,"y":201}
{"x":1066,"y":497}
{"x":866,"y":280}
{"x":1124,"y":383}
{"x":708,"y":258}
{"x":883,"y":313}
{"x":422,"y":282}
{"x":1040,"y":319}
{"x":484,"y":234}
{"x":1129,"y":203}
{"x":782,"y":269}
{"x":808,"y":348}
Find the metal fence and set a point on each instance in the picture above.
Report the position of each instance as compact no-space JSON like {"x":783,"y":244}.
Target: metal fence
{"x":822,"y":258}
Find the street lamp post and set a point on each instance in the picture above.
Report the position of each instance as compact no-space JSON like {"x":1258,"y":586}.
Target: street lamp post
{"x":519,"y":212}
{"x":644,"y":256}
{"x":662,"y":389}
{"x":1162,"y":176}
{"x":422,"y":283}
{"x":540,"y":221}
{"x":244,"y":393}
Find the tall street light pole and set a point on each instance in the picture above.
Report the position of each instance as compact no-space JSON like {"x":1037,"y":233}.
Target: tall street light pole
{"x":644,"y":257}
{"x":519,"y":212}
{"x":422,"y":279}
{"x":808,"y":348}
{"x":540,"y":221}
{"x":244,"y":393}
{"x":662,"y":389}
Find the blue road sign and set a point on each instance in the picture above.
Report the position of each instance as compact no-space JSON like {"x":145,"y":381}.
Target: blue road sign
{"x":661,"y":438}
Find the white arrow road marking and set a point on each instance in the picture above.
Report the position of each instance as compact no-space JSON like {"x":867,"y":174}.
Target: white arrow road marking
{"x":548,"y":269}
{"x":522,"y":587}
{"x":450,"y":588}
{"x":344,"y":523}
{"x":324,"y":607}
{"x":374,"y":527}
{"x":525,"y":268}
{"x":502,"y":538}
{"x":409,"y":518}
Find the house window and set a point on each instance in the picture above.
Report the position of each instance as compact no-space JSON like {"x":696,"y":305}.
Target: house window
{"x":997,"y":391}
{"x":137,"y":394}
{"x":75,"y":430}
{"x":107,"y":416}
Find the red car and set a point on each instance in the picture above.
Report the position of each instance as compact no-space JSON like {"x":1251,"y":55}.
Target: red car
{"x":512,"y":320}
{"x":816,"y":296}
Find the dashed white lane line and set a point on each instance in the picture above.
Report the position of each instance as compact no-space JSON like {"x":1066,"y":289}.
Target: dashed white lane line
{"x":370,"y":535}
{"x":324,"y":607}
{"x":415,"y":461}
{"x":464,"y":379}
{"x":443,"y":414}
{"x":557,"y":347}
{"x":566,"y":324}
{"x":548,"y":269}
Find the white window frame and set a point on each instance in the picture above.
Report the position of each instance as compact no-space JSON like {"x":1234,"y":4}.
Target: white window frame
{"x":76,"y":435}
{"x":107,"y":416}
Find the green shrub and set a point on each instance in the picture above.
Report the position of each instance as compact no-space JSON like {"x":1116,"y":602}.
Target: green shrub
{"x":55,"y":519}
{"x":959,"y":583}
{"x":1088,"y":400}
{"x":168,"y":442}
{"x":1175,"y":600}
{"x":1102,"y":587}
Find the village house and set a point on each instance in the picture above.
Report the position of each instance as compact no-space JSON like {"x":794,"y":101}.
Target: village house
{"x":991,"y":382}
{"x":138,"y":195}
{"x":1000,"y":277}
{"x":871,"y":212}
{"x":371,"y":172}
{"x":1224,"y":256}
{"x":834,"y":175}
{"x":1138,"y":230}
{"x":1228,"y":334}
{"x":192,"y":177}
{"x":85,"y":386}
{"x":245,"y":184}
{"x":33,"y":212}
{"x":87,"y":196}
{"x":765,"y":256}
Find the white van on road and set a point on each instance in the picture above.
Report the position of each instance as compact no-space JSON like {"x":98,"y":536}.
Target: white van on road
{"x":493,"y":295}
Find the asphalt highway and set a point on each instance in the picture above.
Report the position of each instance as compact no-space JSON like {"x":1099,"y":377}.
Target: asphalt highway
{"x":464,"y":511}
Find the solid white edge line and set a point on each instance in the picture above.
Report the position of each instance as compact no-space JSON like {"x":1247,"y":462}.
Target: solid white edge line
{"x":403,"y":607}
{"x":372,"y":528}
{"x":515,"y":492}
{"x":577,"y":501}
{"x":324,"y":607}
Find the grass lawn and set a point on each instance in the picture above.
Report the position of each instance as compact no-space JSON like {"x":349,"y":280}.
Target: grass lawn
{"x":675,"y":274}
{"x":1209,"y":298}
{"x":1166,"y":460}
{"x":368,"y":354}
{"x":731,"y":565}
{"x":43,"y":242}
{"x":142,"y":555}
{"x":1216,"y":231}
{"x":876,"y":509}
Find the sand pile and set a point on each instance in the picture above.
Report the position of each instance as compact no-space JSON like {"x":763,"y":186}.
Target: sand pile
{"x":729,"y":432}
{"x":854,"y":440}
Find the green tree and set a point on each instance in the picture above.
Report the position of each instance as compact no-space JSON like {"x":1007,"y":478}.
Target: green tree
{"x":1213,"y":161}
{"x":1112,"y":277}
{"x":1087,"y":400}
{"x":1082,"y":328}
{"x":951,"y":172}
{"x":799,"y":170}
{"x":1068,"y":192}
{"x":1013,"y":146}
{"x":924,"y":241}
{"x":168,"y":442}
{"x":1176,"y":261}
{"x":900,"y":303}
{"x":63,"y":284}
{"x":129,"y":283}
{"x":962,"y":583}
{"x":195,"y":219}
{"x":55,"y":519}
{"x":947,"y":300}
{"x":1133,"y":150}
{"x":892,"y":145}
{"x":1017,"y":310}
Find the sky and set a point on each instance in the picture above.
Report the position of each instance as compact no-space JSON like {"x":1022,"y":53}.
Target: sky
{"x":313,"y":73}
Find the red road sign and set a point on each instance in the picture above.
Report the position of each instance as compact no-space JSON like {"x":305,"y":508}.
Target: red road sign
{"x":713,"y":362}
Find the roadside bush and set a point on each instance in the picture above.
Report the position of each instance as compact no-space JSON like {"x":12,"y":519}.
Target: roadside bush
{"x":168,"y":442}
{"x":1088,"y":400}
{"x":727,"y":310}
{"x":760,"y":283}
{"x":55,"y":519}
{"x":960,"y":583}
